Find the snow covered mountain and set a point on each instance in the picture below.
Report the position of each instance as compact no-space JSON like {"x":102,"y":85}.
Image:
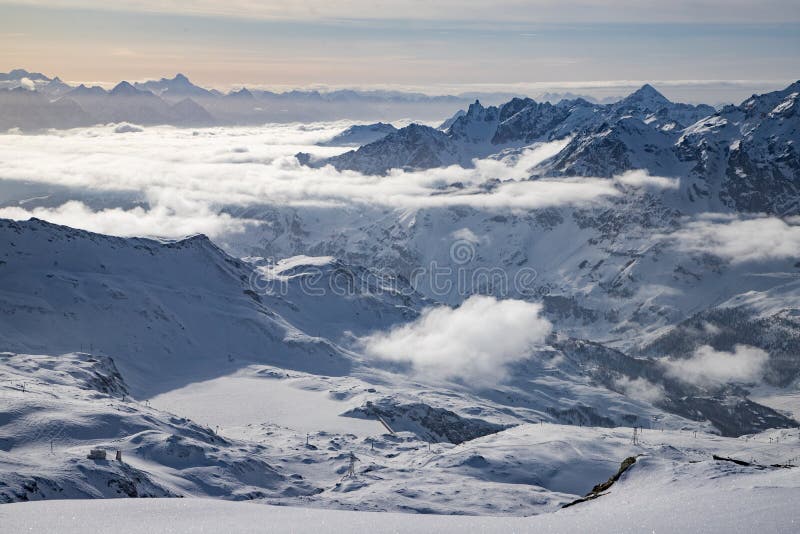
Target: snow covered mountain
{"x":618,"y":273}
{"x":175,"y":89}
{"x":670,"y":303}
{"x":412,"y":147}
{"x":747,"y":155}
{"x":483,"y":131}
{"x":23,"y":108}
{"x":155,"y":305}
{"x":150,"y":314}
{"x":126,"y":103}
{"x":252,"y":106}
{"x":18,"y":74}
{"x":241,"y":106}
{"x":361,"y":134}
{"x":742,"y":157}
{"x":652,"y":107}
{"x":114,"y":303}
{"x":116,"y":344}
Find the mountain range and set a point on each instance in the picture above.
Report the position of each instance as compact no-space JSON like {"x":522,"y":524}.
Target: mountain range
{"x":743,"y":156}
{"x":133,"y":323}
{"x":33,"y":101}
{"x":672,"y":305}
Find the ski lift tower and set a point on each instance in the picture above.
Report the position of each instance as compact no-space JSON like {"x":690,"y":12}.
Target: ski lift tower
{"x":351,"y":469}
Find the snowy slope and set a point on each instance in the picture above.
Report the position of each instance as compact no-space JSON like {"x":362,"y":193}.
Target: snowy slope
{"x":361,"y":134}
{"x":56,"y":408}
{"x":273,"y":409}
{"x":152,"y":305}
{"x":253,"y":378}
{"x":157,"y":308}
{"x":608,"y":272}
{"x":656,"y":494}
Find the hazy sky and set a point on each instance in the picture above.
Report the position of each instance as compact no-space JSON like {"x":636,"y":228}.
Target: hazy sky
{"x":442,"y":46}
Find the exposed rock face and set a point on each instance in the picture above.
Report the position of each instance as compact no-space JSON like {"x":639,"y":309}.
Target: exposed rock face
{"x":727,"y":407}
{"x":412,"y":147}
{"x":429,"y":423}
{"x":743,"y":157}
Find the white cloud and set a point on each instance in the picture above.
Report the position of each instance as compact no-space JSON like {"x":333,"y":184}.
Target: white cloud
{"x":474,"y":342}
{"x":160,"y":220}
{"x":465,"y":234}
{"x":244,"y":167}
{"x":640,"y":389}
{"x":641,"y":178}
{"x":711,"y":329}
{"x":27,"y":83}
{"x":709,"y":367}
{"x":741,"y":240}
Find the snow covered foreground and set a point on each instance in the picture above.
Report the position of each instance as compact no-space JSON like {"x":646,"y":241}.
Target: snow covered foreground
{"x":702,"y":497}
{"x":271,"y":411}
{"x":219,"y":378}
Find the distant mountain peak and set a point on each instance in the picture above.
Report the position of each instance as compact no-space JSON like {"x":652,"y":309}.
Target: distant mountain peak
{"x":176,"y":87}
{"x":475,"y":107}
{"x":83,"y":89}
{"x":241,"y":93}
{"x":361,"y":134}
{"x":647,"y":93}
{"x":22,"y":73}
{"x":19,"y":74}
{"x":124,"y":88}
{"x":178,"y":81}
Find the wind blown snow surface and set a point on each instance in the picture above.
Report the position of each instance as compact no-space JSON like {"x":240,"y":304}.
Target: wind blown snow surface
{"x":643,"y":502}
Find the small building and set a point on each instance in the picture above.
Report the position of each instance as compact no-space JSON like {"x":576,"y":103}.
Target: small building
{"x":97,"y":454}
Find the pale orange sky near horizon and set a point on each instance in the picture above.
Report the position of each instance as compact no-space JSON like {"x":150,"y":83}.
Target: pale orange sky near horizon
{"x":536,"y":45}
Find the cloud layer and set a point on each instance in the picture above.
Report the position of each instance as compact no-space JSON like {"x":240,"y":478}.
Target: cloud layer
{"x":742,"y":240}
{"x":530,"y":11}
{"x":196,"y":181}
{"x":474,"y":342}
{"x":640,"y":389}
{"x":188,"y":176}
{"x":709,"y":367}
{"x":167,"y":221}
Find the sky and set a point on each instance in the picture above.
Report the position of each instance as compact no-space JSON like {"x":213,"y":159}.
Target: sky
{"x":446,"y":46}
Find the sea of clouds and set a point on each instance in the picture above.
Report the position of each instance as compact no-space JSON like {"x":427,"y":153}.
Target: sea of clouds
{"x":171,"y":182}
{"x":188,"y":181}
